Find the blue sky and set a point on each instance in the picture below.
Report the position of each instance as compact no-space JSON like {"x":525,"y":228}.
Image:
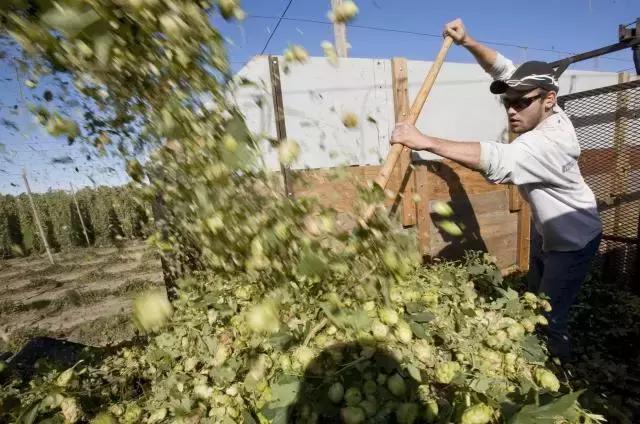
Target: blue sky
{"x":522,"y":30}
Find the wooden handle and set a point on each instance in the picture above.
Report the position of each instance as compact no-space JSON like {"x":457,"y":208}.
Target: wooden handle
{"x":392,"y":157}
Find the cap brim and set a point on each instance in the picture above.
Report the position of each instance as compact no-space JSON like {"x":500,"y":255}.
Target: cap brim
{"x":498,"y":87}
{"x":501,"y":87}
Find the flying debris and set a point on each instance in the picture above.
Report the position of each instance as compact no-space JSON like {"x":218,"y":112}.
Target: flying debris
{"x":62,"y":160}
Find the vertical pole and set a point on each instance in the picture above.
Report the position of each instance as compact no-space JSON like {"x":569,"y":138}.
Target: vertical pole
{"x":423,"y":208}
{"x":339,"y":33}
{"x":517,"y":205}
{"x":84,"y":229}
{"x":281,"y":128}
{"x":401,"y":107}
{"x":524,"y":238}
{"x":515,"y":201}
{"x":36,"y":217}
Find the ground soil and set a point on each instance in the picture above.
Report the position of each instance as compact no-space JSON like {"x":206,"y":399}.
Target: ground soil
{"x":85,"y":297}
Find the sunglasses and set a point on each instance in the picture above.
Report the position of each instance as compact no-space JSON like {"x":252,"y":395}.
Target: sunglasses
{"x":521,"y":103}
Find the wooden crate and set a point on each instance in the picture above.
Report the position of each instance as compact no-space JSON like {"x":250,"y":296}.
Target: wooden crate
{"x":480,"y":207}
{"x":493,"y":217}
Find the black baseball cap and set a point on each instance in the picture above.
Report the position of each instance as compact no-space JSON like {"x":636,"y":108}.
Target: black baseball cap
{"x":528,"y":76}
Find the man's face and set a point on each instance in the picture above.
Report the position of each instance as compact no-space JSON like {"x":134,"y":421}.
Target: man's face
{"x":526,"y":110}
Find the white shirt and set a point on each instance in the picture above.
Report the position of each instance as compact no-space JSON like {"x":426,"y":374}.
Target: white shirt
{"x":543,"y":163}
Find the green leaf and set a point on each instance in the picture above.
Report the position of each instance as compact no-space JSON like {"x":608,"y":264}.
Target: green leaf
{"x":223,"y":375}
{"x":549,"y":413}
{"x":423,"y":317}
{"x":311,"y":264}
{"x":532,"y":350}
{"x":358,"y":319}
{"x":414,"y":372}
{"x":247,"y":418}
{"x":212,"y":344}
{"x":512,"y":307}
{"x":415,"y":307}
{"x":275,"y":415}
{"x":476,"y":269}
{"x":284,"y":394}
{"x":281,"y":338}
{"x":480,"y":385}
{"x":29,"y":417}
{"x":418,"y":330}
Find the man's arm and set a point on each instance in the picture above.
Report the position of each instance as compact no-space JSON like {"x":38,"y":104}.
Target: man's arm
{"x":465,"y":153}
{"x":484,"y":55}
{"x":532,"y":158}
{"x":490,"y":60}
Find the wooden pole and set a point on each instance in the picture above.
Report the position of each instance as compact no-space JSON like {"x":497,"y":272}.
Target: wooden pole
{"x":84,"y":229}
{"x":281,"y":128}
{"x":515,"y":201}
{"x":423,"y":209}
{"x":339,"y":33}
{"x":524,"y":238}
{"x":394,"y":153}
{"x":519,"y":206}
{"x":35,"y":216}
{"x":401,"y":107}
{"x":414,"y":112}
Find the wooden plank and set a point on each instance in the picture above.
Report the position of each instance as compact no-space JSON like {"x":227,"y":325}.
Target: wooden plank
{"x":524,"y":238}
{"x":394,"y":153}
{"x":278,"y":111}
{"x":485,"y":228}
{"x":401,"y":107}
{"x":482,"y":207}
{"x":336,"y":187}
{"x":521,"y":208}
{"x":423,"y":179}
{"x":493,"y":202}
{"x":515,"y":200}
{"x":450,"y":179}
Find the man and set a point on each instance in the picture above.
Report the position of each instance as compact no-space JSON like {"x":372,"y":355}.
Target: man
{"x":542,"y":162}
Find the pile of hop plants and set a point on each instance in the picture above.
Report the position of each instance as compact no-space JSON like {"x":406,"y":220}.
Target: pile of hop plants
{"x":422,"y":346}
{"x":282,"y":316}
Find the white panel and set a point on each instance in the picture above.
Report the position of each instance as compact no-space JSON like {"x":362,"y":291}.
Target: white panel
{"x":255,"y":101}
{"x":317,"y":94}
{"x":576,"y":81}
{"x":460,"y":106}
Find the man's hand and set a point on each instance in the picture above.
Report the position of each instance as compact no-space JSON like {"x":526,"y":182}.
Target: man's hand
{"x":456,"y":30}
{"x":408,"y":135}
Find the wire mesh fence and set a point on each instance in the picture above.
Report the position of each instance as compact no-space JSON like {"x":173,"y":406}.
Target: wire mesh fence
{"x":607,"y":122}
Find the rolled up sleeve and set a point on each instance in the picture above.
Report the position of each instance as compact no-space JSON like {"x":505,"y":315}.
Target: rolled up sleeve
{"x":502,"y":68}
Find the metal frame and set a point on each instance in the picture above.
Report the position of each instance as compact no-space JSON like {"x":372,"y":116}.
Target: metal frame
{"x":628,"y":38}
{"x":616,"y":199}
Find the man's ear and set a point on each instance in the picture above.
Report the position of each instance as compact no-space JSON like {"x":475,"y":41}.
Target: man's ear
{"x":550,"y":100}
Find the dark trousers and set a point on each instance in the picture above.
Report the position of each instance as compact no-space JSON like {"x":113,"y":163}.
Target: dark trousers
{"x":559,"y":275}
